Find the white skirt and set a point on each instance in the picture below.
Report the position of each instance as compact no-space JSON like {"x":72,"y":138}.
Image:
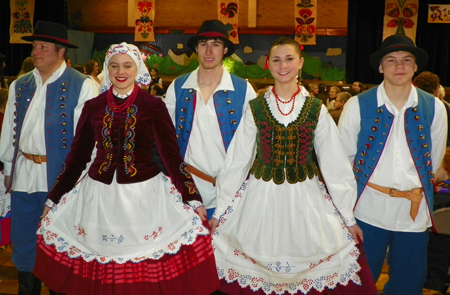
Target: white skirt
{"x":285,"y":238}
{"x":121,"y":222}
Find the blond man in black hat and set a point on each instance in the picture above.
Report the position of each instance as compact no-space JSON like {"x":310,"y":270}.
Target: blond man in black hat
{"x":395,"y":136}
{"x":41,"y":115}
{"x":206,"y":106}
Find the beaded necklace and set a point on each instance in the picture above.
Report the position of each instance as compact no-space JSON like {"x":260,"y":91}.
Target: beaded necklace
{"x":292,"y":99}
{"x":128,"y":101}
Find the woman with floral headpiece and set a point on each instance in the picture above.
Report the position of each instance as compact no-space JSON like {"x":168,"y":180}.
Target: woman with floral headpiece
{"x":123,"y":227}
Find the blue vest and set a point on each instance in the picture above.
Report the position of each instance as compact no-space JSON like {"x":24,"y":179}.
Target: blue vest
{"x":376,"y":123}
{"x":228,"y":106}
{"x":61,"y":100}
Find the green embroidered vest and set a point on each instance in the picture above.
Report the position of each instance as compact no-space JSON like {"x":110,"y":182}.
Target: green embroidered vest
{"x":285,"y":152}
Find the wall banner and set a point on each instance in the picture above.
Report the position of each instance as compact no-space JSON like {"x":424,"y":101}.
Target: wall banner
{"x":228,"y":15}
{"x":22,"y":14}
{"x":305,"y":14}
{"x":144,"y":18}
{"x":439,"y":13}
{"x":400,"y":17}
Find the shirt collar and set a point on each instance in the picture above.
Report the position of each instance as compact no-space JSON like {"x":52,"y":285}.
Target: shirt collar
{"x":122,"y":96}
{"x":225,"y":83}
{"x":56,"y":74}
{"x":382,"y":97}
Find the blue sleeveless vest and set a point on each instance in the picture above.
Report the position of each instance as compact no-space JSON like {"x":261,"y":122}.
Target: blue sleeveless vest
{"x":376,"y":123}
{"x":228,"y":105}
{"x":61,"y":100}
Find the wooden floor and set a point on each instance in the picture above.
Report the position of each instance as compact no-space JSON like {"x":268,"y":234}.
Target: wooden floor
{"x":8,"y":276}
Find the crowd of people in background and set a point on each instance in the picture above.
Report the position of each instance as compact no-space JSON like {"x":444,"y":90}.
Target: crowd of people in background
{"x":196,"y":185}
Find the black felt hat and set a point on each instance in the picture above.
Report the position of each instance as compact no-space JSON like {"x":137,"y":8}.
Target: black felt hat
{"x":399,"y":43}
{"x":212,"y":29}
{"x":50,"y":32}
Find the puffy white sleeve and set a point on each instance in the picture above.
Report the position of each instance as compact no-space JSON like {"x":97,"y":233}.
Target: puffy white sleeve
{"x":240,"y":156}
{"x":335,"y":167}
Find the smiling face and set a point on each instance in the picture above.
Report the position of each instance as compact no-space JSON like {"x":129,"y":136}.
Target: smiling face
{"x":398,"y":68}
{"x":210,"y":53}
{"x":122,"y":72}
{"x":284,"y":63}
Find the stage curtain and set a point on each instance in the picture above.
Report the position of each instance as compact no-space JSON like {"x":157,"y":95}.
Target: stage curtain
{"x":305,"y":14}
{"x":145,"y":16}
{"x":228,"y":15}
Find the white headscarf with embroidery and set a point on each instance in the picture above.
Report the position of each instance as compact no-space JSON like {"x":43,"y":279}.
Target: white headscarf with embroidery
{"x":142,"y":78}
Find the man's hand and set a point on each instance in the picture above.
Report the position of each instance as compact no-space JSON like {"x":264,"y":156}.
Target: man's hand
{"x":201,"y":211}
{"x":213,"y":223}
{"x":357,"y":233}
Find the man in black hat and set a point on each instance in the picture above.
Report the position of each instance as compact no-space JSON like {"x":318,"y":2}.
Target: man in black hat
{"x":206,"y":106}
{"x":40,"y":119}
{"x":395,"y":136}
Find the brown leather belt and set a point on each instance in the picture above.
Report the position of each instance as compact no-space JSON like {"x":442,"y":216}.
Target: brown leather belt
{"x":414,"y":195}
{"x":35,"y":158}
{"x":201,"y":175}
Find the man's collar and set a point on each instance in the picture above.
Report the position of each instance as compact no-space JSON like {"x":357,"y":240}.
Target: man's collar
{"x":225,"y":82}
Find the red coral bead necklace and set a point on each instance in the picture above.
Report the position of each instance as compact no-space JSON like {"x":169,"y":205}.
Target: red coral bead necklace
{"x":126,"y":104}
{"x":278,"y":101}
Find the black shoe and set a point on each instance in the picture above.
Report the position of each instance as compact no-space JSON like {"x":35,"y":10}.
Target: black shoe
{"x":28,"y":284}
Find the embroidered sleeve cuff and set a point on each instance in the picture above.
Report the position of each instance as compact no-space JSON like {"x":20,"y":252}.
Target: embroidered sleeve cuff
{"x":195,"y":204}
{"x":49,"y":203}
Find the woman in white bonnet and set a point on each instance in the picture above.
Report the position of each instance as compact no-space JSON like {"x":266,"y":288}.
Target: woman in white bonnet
{"x":122,"y":227}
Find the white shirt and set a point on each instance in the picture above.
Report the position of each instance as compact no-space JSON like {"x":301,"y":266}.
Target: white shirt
{"x":205,"y":150}
{"x":395,"y":168}
{"x":30,"y":177}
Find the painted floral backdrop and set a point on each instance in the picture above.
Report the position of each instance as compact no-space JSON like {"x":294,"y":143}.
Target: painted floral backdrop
{"x":22,"y":13}
{"x":228,"y":14}
{"x":401,"y":18}
{"x":305,"y":21}
{"x":144,"y":15}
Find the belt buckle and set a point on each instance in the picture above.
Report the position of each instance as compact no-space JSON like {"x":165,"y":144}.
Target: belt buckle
{"x":37,"y":159}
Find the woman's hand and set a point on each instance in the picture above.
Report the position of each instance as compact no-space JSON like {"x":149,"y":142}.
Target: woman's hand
{"x":357,"y":233}
{"x":46,"y":209}
{"x":201,"y":211}
{"x":213,"y":223}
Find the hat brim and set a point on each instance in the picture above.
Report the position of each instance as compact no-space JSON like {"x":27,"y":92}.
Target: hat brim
{"x":193,"y":42}
{"x":47,"y":39}
{"x":420,"y":55}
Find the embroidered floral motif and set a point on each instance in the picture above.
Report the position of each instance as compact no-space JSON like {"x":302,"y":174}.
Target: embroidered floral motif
{"x":128,"y":145}
{"x":184,"y":169}
{"x":113,"y":238}
{"x":278,"y":267}
{"x":154,"y":235}
{"x":80,"y":231}
{"x":191,"y":186}
{"x":107,"y":142}
{"x":239,"y":253}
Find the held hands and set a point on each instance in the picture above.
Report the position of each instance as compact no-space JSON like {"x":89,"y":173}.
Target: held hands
{"x":357,"y":233}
